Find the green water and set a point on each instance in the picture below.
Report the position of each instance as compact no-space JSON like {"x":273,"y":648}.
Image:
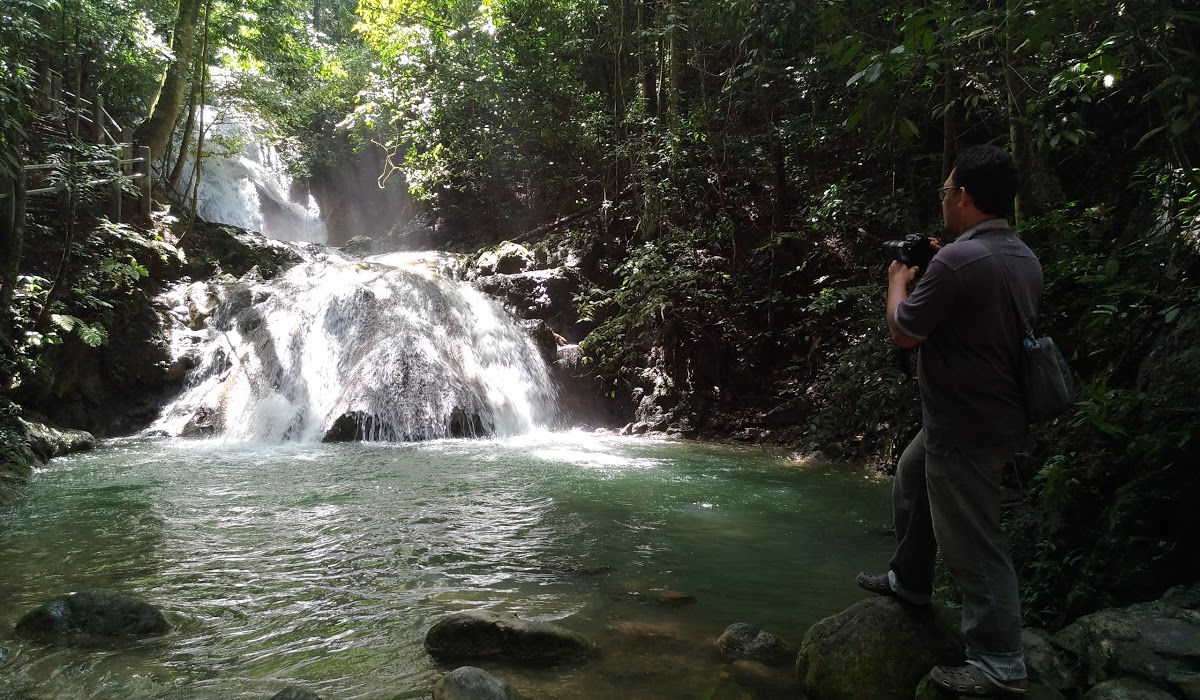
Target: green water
{"x":324,"y":565}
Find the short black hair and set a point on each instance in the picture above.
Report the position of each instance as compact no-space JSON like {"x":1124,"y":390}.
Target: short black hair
{"x":990,"y":175}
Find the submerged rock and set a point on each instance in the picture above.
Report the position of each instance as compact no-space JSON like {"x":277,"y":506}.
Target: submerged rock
{"x":745,"y":641}
{"x":878,"y":649}
{"x":295,"y":693}
{"x":95,"y":613}
{"x":769,"y":680}
{"x":483,"y":634}
{"x":470,"y":683}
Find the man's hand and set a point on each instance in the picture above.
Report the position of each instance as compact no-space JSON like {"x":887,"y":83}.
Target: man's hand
{"x":899,"y":273}
{"x":899,"y":277}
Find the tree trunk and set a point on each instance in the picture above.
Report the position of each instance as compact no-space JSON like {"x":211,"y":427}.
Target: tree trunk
{"x":200,"y":136}
{"x":647,"y":57}
{"x":188,"y":126}
{"x":12,"y":239}
{"x":949,"y":122}
{"x":674,"y":53}
{"x":1018,"y":130}
{"x":165,"y":107}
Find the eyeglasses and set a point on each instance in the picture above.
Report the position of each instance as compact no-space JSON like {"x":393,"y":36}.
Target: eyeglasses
{"x":943,"y":191}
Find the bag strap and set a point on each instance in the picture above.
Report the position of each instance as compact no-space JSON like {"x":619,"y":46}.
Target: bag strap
{"x":1004,"y":275}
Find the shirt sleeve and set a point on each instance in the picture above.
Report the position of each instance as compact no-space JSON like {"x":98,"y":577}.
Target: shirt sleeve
{"x":930,"y":303}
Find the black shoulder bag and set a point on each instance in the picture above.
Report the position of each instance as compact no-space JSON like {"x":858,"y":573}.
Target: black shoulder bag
{"x":1046,"y":380}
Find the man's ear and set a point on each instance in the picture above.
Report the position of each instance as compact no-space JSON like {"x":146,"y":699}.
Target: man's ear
{"x":965,"y":199}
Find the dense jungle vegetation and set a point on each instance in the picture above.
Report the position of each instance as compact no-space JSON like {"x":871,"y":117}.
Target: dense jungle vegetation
{"x":735,"y":165}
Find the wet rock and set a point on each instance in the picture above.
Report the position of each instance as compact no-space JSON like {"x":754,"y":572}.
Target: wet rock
{"x":359,"y":245}
{"x":49,"y":441}
{"x":745,"y":641}
{"x":507,"y":258}
{"x":1150,"y":641}
{"x":585,"y":396}
{"x":295,"y":693}
{"x":545,"y":294}
{"x":878,"y":649}
{"x":545,"y":339}
{"x":470,"y":683}
{"x":95,"y":613}
{"x":1127,"y":689}
{"x":212,"y":247}
{"x":483,"y":634}
{"x":205,"y":422}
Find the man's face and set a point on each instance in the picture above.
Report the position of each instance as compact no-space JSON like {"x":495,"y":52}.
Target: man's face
{"x":951,"y":214}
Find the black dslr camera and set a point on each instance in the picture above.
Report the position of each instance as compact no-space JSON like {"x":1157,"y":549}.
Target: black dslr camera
{"x":914,"y":250}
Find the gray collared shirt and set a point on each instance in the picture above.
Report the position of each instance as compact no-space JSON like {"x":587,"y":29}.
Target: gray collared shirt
{"x":970,"y":333}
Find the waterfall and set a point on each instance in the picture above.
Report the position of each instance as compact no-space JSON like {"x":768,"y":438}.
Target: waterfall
{"x":244,"y":183}
{"x":384,"y":349}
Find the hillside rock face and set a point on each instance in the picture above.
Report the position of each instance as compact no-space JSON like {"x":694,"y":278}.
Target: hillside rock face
{"x":1157,"y":643}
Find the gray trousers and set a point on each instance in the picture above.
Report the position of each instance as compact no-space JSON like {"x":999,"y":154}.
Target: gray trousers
{"x":952,"y":502}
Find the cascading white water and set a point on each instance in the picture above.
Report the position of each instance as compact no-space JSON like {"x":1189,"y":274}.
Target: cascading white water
{"x":341,"y":350}
{"x":244,"y":183}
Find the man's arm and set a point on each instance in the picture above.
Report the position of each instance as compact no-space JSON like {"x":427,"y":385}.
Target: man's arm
{"x":899,"y":277}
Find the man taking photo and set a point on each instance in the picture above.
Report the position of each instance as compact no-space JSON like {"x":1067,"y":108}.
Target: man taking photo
{"x":946,"y":494}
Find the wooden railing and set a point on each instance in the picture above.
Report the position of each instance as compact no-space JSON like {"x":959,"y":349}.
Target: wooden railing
{"x":123,"y":167}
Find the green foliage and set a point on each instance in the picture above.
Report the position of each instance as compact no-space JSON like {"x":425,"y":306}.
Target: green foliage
{"x":19,"y":29}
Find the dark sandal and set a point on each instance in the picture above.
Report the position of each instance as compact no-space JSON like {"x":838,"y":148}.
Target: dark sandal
{"x":972,"y":680}
{"x":880,"y":585}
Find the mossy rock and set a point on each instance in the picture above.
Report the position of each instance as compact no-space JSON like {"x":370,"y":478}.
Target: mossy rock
{"x":879,"y":649}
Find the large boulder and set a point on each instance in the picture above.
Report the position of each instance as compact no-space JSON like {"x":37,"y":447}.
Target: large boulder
{"x":1046,"y":664}
{"x":91,"y":615}
{"x":545,"y":294}
{"x":507,"y":258}
{"x":745,"y":641}
{"x":1158,"y":642}
{"x":878,"y":648}
{"x":483,"y":634}
{"x":470,"y":683}
{"x":213,"y":248}
{"x":49,"y":441}
{"x":1127,"y":689}
{"x":27,"y":441}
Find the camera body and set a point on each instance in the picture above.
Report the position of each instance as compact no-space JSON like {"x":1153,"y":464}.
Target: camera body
{"x":914,"y":250}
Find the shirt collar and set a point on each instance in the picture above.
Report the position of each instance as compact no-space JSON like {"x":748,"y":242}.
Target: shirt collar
{"x":982,"y":226}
